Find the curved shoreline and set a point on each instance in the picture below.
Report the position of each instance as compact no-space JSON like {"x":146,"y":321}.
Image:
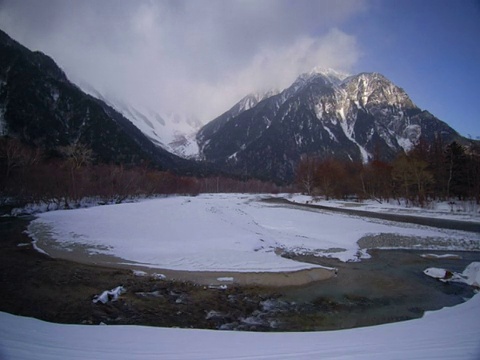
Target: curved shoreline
{"x":215,"y":278}
{"x":267,"y":279}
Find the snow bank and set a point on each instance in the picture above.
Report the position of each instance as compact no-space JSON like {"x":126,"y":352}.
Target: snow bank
{"x":454,"y":210}
{"x":470,"y":276}
{"x":219,"y":232}
{"x":450,"y":333}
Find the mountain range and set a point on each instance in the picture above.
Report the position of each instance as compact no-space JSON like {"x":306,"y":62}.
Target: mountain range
{"x":323,"y":114}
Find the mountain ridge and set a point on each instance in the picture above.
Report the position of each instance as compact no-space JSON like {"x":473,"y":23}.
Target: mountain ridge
{"x":349,"y":117}
{"x":41,"y":107}
{"x":323,"y":113}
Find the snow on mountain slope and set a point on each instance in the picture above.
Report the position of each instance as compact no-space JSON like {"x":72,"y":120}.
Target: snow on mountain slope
{"x":173,"y":132}
{"x":323,"y":114}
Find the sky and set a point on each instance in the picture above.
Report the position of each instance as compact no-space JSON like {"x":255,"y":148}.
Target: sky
{"x":199,"y":57}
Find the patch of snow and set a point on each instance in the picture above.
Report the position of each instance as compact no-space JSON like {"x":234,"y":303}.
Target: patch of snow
{"x":348,"y":131}
{"x":457,"y":210}
{"x":449,"y":333}
{"x":319,"y":111}
{"x":334,"y":76}
{"x":470,"y":276}
{"x":331,"y":134}
{"x":139,"y":273}
{"x":220,"y":287}
{"x":55,"y":94}
{"x":436,"y":273}
{"x":159,"y":276}
{"x":441,"y":256}
{"x":109,"y":295}
{"x":410,"y":137}
{"x":212,"y":314}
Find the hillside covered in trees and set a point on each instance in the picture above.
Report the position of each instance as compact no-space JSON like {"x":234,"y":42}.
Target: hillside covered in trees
{"x":429,"y":171}
{"x":70,"y":174}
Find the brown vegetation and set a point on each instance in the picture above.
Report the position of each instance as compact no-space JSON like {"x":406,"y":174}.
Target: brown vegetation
{"x":427,"y":172}
{"x":64,"y":178}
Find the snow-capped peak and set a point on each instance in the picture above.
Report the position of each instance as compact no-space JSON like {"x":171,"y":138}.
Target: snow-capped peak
{"x":333,"y":75}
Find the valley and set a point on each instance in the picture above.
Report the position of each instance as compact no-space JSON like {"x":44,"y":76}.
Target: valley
{"x":385,"y":286}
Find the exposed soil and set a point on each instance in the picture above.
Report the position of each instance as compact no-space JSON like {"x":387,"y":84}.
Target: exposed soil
{"x":36,"y":285}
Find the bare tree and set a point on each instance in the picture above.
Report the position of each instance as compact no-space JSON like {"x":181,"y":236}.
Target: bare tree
{"x":305,"y":175}
{"x":412,"y":174}
{"x":14,"y":154}
{"x":77,"y":155}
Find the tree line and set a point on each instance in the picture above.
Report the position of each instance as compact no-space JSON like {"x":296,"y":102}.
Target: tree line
{"x":64,"y":178}
{"x":429,"y":171}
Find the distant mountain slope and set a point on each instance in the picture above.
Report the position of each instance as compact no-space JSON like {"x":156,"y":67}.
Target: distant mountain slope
{"x":323,"y":114}
{"x":173,"y":132}
{"x":40,"y":106}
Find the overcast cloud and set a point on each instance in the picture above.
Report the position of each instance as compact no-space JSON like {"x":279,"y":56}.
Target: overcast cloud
{"x":197,"y":57}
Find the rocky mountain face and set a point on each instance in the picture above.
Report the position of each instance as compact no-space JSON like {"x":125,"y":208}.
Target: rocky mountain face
{"x":40,"y":106}
{"x":322,"y":114}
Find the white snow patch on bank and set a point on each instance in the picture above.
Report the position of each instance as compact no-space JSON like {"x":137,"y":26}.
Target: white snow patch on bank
{"x":109,"y":295}
{"x":450,"y":333}
{"x":470,"y":276}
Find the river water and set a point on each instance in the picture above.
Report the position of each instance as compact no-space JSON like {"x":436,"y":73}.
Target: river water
{"x":389,"y":286}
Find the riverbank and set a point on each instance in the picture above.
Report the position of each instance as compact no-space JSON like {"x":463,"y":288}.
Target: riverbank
{"x":81,"y":254}
{"x":57,"y":290}
{"x":388,"y":287}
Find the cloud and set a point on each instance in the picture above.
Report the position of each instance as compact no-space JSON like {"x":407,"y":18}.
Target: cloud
{"x":195,"y":56}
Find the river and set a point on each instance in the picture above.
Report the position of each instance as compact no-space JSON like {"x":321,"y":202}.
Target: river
{"x":388,"y":287}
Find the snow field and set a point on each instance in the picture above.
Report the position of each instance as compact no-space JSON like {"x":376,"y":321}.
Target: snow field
{"x":219,"y":232}
{"x":232,"y":232}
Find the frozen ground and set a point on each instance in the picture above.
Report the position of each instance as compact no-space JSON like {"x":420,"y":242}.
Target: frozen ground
{"x":450,"y":333}
{"x":223,"y":232}
{"x":233,"y":232}
{"x":467,"y":210}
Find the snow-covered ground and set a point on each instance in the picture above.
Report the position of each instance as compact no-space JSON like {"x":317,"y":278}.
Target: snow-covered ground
{"x":450,"y":333}
{"x":467,"y":210}
{"x":233,"y":232}
{"x":220,"y":232}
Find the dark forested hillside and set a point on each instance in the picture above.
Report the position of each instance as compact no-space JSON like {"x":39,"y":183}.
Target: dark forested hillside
{"x":41,"y":107}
